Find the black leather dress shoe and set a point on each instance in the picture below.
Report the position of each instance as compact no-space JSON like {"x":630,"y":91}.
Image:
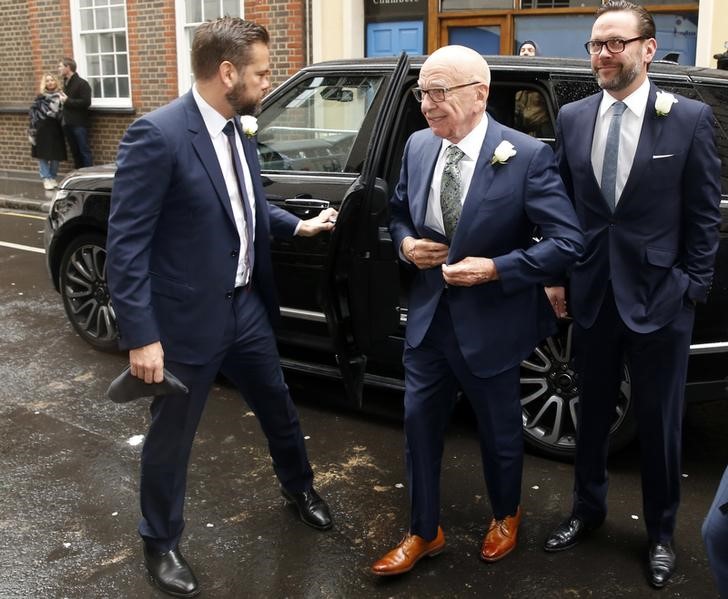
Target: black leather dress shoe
{"x":567,"y":534}
{"x":171,"y":573}
{"x":661,"y":564}
{"x":311,"y":508}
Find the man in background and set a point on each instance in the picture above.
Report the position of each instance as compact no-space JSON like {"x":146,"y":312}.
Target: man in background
{"x":76,"y":121}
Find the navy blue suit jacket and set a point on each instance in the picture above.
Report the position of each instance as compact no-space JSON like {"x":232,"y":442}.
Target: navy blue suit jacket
{"x":172,"y":243}
{"x":497,"y":324}
{"x":659,"y":245}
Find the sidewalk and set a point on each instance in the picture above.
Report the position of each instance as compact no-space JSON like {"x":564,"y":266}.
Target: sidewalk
{"x":24,"y":192}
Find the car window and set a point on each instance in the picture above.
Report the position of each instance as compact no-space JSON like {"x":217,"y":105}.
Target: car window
{"x":717,"y":97}
{"x":313,"y":127}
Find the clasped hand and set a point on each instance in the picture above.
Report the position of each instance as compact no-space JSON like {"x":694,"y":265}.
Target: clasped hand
{"x":470,"y":271}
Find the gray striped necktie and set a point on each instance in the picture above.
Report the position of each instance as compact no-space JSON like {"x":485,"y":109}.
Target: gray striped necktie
{"x":611,"y":156}
{"x":451,"y":190}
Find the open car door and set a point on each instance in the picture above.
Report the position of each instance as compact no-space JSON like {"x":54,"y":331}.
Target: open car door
{"x":361,"y":275}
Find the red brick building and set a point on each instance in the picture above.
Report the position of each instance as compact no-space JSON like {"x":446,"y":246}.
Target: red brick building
{"x":135,"y":55}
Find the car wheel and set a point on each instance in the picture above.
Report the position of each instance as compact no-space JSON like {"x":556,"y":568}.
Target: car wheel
{"x":85,"y":293}
{"x":550,"y":399}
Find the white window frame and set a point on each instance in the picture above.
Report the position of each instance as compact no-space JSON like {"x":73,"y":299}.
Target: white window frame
{"x":184,"y":66}
{"x":79,"y":56}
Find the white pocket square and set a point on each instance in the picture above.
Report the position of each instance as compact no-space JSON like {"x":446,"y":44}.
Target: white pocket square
{"x":658,"y":156}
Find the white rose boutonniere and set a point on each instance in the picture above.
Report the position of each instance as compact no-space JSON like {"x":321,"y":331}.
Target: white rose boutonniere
{"x":503,"y":152}
{"x":663,"y":103}
{"x":249,"y":125}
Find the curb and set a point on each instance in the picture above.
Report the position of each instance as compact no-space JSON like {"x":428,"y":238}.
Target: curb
{"x":17,"y":203}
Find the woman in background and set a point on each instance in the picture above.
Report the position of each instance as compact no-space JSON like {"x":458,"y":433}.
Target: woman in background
{"x":45,"y":133}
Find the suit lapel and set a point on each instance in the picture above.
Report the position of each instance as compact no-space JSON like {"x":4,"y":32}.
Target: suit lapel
{"x":205,"y":151}
{"x":583,"y":128}
{"x":426,"y":162}
{"x":650,"y":133}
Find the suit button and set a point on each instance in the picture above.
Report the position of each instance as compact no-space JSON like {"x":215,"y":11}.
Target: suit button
{"x":229,"y":295}
{"x":234,"y":253}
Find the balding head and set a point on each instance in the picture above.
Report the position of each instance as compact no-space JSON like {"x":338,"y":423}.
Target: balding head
{"x":465,"y":77}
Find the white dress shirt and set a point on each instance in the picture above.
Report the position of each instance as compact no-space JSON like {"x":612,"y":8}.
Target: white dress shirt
{"x":215,"y":122}
{"x":629,"y":134}
{"x":470,"y":145}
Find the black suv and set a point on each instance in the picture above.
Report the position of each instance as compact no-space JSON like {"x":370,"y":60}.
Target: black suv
{"x":333,"y":135}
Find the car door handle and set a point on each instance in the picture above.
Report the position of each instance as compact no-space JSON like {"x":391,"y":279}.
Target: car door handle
{"x":308,"y":204}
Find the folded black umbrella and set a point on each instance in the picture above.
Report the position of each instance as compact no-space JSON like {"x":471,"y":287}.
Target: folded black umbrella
{"x":126,"y":387}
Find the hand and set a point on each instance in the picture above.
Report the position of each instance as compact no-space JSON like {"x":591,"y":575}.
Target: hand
{"x":424,"y":253}
{"x":470,"y":271}
{"x":557,"y":299}
{"x":63,"y":97}
{"x":147,"y":362}
{"x":323,"y":221}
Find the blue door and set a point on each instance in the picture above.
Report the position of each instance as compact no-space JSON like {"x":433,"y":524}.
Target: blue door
{"x":390,"y":39}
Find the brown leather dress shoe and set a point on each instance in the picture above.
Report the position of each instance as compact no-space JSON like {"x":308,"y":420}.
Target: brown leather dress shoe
{"x":410,"y":550}
{"x":501,"y":538}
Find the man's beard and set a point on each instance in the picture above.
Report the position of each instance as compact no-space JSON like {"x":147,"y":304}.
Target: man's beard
{"x":622,"y":80}
{"x":240,"y":102}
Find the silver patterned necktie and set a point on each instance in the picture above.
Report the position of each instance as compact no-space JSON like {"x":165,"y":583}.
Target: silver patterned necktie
{"x":611,"y":156}
{"x":450,"y":190}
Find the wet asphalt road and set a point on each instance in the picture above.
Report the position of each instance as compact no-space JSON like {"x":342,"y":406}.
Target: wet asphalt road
{"x":69,"y":467}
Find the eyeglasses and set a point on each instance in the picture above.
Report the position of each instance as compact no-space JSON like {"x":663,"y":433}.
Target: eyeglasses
{"x":614,"y":45}
{"x":438,"y":94}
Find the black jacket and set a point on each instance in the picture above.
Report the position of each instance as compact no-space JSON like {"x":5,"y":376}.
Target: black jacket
{"x":75,"y":108}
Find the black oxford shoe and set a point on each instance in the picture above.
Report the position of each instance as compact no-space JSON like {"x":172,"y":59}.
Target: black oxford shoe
{"x":171,"y":573}
{"x":661,"y":564}
{"x":567,"y":534}
{"x":311,"y":508}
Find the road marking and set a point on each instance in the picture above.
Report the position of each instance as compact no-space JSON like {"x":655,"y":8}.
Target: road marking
{"x":35,"y":216}
{"x":25,"y":248}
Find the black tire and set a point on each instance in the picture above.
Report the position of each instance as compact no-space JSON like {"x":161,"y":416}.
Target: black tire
{"x":550,"y":399}
{"x":85,"y":293}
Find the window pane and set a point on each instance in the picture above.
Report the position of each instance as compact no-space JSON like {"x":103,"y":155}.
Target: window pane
{"x":313,"y":127}
{"x":109,"y":87}
{"x":118,"y":18}
{"x":193,"y":11}
{"x":231,"y":7}
{"x":123,"y":87}
{"x":95,"y":86}
{"x":211,"y":9}
{"x":84,"y":3}
{"x":94,"y":66}
{"x":122,"y":68}
{"x":677,"y":36}
{"x":102,"y":18}
{"x":555,"y":36}
{"x":473,"y":4}
{"x":101,"y":2}
{"x":120,"y":42}
{"x":91,"y":44}
{"x":106,"y":42}
{"x":108,"y":65}
{"x":87,"y":20}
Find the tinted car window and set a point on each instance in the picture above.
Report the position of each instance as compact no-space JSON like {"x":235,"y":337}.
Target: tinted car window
{"x":313,"y":127}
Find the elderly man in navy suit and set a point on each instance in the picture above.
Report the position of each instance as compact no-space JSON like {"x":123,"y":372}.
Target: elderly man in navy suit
{"x":642,"y":170}
{"x":190,"y":275}
{"x":470,"y":193}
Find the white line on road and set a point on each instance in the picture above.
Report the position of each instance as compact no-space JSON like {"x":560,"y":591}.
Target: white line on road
{"x":25,"y":248}
{"x":22,"y":215}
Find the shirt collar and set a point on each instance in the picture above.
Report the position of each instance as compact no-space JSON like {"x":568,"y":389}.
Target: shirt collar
{"x":473,"y":141}
{"x":636,"y":101}
{"x":214,"y":121}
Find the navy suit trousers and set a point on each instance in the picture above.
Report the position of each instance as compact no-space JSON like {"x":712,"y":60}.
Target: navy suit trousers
{"x":433,"y":371}
{"x":249,"y":358}
{"x":658,"y":367}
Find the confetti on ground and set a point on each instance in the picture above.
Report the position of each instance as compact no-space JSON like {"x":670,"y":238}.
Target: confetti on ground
{"x":135,"y":440}
{"x":399,"y":486}
{"x":114,"y":513}
{"x":210,"y":525}
{"x":535,"y":487}
{"x":635,"y":517}
{"x":307,"y":437}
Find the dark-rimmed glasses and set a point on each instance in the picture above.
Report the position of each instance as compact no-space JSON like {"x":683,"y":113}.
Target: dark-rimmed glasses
{"x":438,"y":94}
{"x":614,"y":45}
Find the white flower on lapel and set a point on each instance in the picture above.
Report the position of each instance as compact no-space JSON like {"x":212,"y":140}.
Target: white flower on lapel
{"x":503,"y":152}
{"x":249,"y":125}
{"x":663,"y":103}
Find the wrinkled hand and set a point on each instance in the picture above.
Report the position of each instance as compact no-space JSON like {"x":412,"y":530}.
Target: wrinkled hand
{"x":557,"y":299}
{"x":470,"y":271}
{"x":147,"y":362}
{"x":424,"y":253}
{"x":323,"y":221}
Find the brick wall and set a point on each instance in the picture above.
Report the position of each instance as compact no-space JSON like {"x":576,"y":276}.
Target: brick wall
{"x":35,"y":34}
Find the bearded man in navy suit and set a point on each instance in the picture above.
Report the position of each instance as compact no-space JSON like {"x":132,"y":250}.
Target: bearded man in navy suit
{"x":470,"y":193}
{"x":190,"y":274}
{"x":642,"y":170}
